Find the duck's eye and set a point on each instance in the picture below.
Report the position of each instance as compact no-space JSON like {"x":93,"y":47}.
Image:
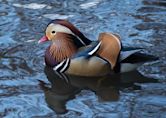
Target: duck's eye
{"x":53,"y":32}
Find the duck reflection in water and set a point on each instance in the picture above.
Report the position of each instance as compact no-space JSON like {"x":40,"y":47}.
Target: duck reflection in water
{"x":64,"y":87}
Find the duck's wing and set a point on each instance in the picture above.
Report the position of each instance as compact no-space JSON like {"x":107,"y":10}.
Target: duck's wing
{"x":134,"y":55}
{"x":127,"y":48}
{"x":89,"y":50}
{"x":131,"y":58}
{"x":124,"y":54}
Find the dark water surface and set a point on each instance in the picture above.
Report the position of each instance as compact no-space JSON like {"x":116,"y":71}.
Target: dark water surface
{"x":28,"y":90}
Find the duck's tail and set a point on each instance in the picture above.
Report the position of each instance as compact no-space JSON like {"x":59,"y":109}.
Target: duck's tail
{"x":110,"y":47}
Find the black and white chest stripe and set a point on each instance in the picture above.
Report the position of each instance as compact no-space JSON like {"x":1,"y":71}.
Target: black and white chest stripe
{"x":62,"y":66}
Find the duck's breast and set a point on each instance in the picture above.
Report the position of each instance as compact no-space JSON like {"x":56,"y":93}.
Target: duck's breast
{"x":49,"y":60}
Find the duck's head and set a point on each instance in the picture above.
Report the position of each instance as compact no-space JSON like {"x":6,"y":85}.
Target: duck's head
{"x":58,"y":27}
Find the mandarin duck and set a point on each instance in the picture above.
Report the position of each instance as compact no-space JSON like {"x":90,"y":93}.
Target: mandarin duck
{"x":72,"y":53}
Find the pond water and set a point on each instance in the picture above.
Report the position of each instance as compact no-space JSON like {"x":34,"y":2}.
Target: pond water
{"x":29,"y":90}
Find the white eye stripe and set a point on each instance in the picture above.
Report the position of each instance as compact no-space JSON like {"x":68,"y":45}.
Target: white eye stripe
{"x":61,"y":28}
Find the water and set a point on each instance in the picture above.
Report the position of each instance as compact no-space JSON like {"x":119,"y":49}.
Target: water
{"x":27,"y":90}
